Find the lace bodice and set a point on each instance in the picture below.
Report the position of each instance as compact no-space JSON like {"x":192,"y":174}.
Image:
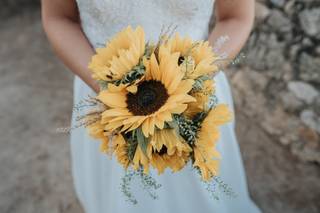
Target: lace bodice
{"x":101,"y":19}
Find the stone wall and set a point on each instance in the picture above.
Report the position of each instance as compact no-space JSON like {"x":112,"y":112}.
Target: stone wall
{"x":12,"y":7}
{"x":278,"y":84}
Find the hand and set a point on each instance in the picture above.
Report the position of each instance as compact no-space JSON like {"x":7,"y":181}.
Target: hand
{"x":61,"y":23}
{"x":234,"y":18}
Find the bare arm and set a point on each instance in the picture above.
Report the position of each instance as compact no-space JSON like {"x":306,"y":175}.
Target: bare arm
{"x":61,"y":23}
{"x":234,"y":18}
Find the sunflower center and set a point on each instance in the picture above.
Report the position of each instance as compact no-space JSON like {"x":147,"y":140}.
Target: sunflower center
{"x":180,"y":60}
{"x":146,"y":97}
{"x":150,"y":96}
{"x":162,"y":151}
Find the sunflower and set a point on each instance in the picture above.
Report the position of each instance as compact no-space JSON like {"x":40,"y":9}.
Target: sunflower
{"x":140,"y":159}
{"x":203,"y":97}
{"x":96,"y":130}
{"x":195,"y":58}
{"x":167,"y":149}
{"x":119,"y":56}
{"x":206,"y":157}
{"x":120,"y":147}
{"x":152,"y":101}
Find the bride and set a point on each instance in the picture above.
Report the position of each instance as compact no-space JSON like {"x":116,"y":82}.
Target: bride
{"x":76,"y":27}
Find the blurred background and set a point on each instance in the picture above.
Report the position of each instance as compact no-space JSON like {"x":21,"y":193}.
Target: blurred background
{"x":276,"y":88}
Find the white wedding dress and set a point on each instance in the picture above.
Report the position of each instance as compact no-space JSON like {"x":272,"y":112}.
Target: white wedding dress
{"x":97,"y":177}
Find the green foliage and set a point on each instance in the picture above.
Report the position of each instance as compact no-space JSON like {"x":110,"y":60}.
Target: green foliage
{"x":198,"y":86}
{"x":187,"y":128}
{"x":198,"y":82}
{"x":142,"y":140}
{"x":136,"y":73}
{"x":103,"y":85}
{"x":224,"y":187}
{"x":198,"y":118}
{"x":149,"y":50}
{"x":213,"y":101}
{"x":216,"y":186}
{"x":125,"y":187}
{"x":148,"y":183}
{"x":171,"y":125}
{"x":132,"y":144}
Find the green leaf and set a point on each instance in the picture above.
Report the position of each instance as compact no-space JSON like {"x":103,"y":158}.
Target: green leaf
{"x":171,"y":125}
{"x":198,"y":83}
{"x":103,"y":85}
{"x":142,"y":141}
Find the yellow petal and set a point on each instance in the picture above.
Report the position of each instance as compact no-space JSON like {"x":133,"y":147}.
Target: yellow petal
{"x":140,"y":158}
{"x":165,"y":116}
{"x":115,"y":112}
{"x":159,"y":123}
{"x":179,"y":109}
{"x":220,"y":114}
{"x":175,"y":82}
{"x":181,"y":98}
{"x":133,"y":89}
{"x":184,"y":87}
{"x":151,"y":125}
{"x":147,"y":73}
{"x":114,"y":125}
{"x":145,"y":128}
{"x":104,"y":146}
{"x":155,"y":71}
{"x":112,"y":99}
{"x":136,"y":124}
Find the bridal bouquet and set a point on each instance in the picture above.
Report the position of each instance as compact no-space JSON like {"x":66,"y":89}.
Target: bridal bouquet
{"x":157,"y":105}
